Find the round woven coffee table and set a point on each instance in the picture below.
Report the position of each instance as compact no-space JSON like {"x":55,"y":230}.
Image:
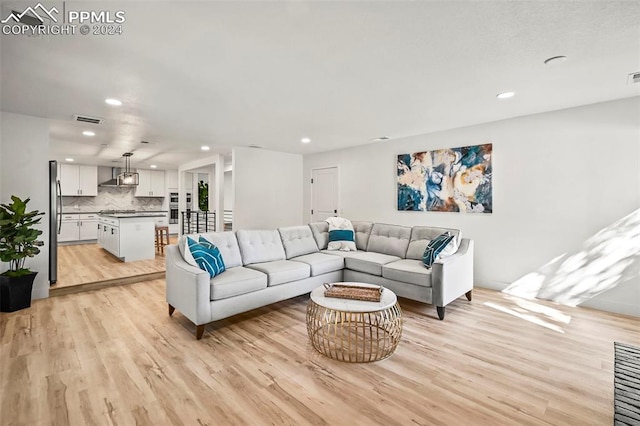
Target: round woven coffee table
{"x":354,"y":330}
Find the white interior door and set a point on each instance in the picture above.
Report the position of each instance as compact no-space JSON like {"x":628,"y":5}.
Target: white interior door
{"x":324,"y":193}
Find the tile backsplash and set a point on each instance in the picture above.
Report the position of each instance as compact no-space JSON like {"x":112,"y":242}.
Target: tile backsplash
{"x":111,"y":198}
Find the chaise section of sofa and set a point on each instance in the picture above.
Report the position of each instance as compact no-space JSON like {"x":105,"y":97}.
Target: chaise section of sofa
{"x":392,"y":257}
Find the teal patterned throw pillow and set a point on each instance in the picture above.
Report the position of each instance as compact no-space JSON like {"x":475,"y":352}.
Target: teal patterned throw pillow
{"x":207,"y":256}
{"x":434,"y":248}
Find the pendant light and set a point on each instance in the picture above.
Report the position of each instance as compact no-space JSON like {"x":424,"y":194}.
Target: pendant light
{"x":127,"y":178}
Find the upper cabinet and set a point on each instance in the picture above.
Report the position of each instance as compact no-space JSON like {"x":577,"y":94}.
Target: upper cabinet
{"x":77,"y":180}
{"x":188,"y":181}
{"x":150,"y":183}
{"x":172,"y":179}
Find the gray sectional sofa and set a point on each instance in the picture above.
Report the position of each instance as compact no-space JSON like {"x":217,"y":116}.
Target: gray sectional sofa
{"x":265,"y":267}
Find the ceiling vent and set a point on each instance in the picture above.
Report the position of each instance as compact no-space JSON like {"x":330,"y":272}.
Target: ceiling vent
{"x":634,"y":78}
{"x":87,"y":119}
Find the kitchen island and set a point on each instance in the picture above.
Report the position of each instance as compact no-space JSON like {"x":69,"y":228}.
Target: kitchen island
{"x":128,"y":236}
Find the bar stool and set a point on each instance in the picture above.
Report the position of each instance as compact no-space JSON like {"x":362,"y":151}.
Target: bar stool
{"x":162,"y":238}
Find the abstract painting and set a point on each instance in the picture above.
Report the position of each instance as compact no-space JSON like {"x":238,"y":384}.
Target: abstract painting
{"x":446,"y":180}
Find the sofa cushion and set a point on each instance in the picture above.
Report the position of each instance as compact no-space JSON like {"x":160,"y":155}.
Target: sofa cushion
{"x":183,"y":246}
{"x":228,"y":246}
{"x":297,"y":241}
{"x":435,"y":247}
{"x":341,"y":234}
{"x":369,"y":262}
{"x":320,"y":231}
{"x":260,"y":246}
{"x":362,"y":230}
{"x":321,"y":263}
{"x":342,"y":239}
{"x":282,"y":271}
{"x":408,"y":271}
{"x":207,"y":256}
{"x":236,"y":281}
{"x":389,"y":239}
{"x":422,"y":235}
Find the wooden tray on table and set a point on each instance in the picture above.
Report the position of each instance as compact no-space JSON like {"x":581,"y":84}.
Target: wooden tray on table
{"x":344,"y":291}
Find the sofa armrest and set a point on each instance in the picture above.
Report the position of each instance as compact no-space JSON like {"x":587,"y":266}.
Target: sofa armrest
{"x":188,"y":288}
{"x":452,"y":276}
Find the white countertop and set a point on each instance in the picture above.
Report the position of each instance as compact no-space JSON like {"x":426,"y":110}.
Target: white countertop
{"x":131,"y":215}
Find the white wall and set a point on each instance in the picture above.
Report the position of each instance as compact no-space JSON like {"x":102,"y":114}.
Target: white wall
{"x":228,"y":190}
{"x":24,"y":171}
{"x":267,"y":188}
{"x":559,"y":177}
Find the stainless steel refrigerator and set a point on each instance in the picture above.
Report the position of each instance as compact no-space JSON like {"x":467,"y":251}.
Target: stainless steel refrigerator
{"x":55,"y":220}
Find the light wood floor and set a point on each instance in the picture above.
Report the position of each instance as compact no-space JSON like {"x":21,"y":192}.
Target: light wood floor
{"x":81,"y":264}
{"x":114,"y":356}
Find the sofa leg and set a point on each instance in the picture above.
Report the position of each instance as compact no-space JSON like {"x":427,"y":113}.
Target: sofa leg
{"x":468,"y":294}
{"x":440,"y":310}
{"x":171,"y":309}
{"x":199,"y":331}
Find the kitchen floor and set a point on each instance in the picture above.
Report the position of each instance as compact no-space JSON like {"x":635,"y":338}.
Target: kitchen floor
{"x":84,"y":267}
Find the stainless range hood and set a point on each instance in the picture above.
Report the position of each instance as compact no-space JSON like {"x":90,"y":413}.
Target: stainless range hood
{"x":123,"y":177}
{"x":115,"y":172}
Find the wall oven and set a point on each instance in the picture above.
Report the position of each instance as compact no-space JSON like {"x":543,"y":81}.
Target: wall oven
{"x":173,"y":208}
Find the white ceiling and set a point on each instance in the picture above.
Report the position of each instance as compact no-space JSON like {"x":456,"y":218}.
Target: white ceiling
{"x":230,"y":74}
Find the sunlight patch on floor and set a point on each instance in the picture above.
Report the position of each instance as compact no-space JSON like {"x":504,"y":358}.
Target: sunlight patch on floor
{"x":526,"y":315}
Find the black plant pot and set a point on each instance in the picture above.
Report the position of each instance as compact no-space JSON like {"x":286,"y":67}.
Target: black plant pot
{"x":15,"y":292}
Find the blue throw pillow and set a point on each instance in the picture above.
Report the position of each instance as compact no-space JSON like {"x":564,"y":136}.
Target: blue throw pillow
{"x":341,"y":235}
{"x":342,"y":239}
{"x":207,"y":256}
{"x":434,"y":248}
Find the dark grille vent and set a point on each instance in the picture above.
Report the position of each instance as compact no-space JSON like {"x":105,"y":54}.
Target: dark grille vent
{"x":86,"y":119}
{"x":634,"y":78}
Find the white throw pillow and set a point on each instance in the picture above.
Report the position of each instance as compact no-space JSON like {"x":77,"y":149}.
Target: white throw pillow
{"x":450,"y":249}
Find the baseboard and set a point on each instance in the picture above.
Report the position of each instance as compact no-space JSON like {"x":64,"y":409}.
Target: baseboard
{"x":612,"y":306}
{"x":490,"y":284}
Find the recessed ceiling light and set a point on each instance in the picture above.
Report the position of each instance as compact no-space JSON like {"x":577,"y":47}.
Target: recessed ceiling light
{"x":381,"y":138}
{"x":555,"y":60}
{"x":153,"y":166}
{"x":305,"y":140}
{"x":505,"y":95}
{"x":114,"y":102}
{"x":89,"y":133}
{"x":68,"y":159}
{"x":205,"y":148}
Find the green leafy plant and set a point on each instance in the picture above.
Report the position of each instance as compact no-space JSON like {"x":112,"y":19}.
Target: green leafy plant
{"x":203,"y":196}
{"x":18,"y":237}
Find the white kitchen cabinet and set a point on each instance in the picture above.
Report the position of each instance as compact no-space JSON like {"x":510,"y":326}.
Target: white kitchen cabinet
{"x":78,"y":180}
{"x":88,"y":226}
{"x":171,"y":177}
{"x":150,"y":183}
{"x":69,"y":228}
{"x":129,"y":237}
{"x":78,"y":227}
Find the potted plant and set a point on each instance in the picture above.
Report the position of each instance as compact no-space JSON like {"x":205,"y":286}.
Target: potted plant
{"x":18,"y":240}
